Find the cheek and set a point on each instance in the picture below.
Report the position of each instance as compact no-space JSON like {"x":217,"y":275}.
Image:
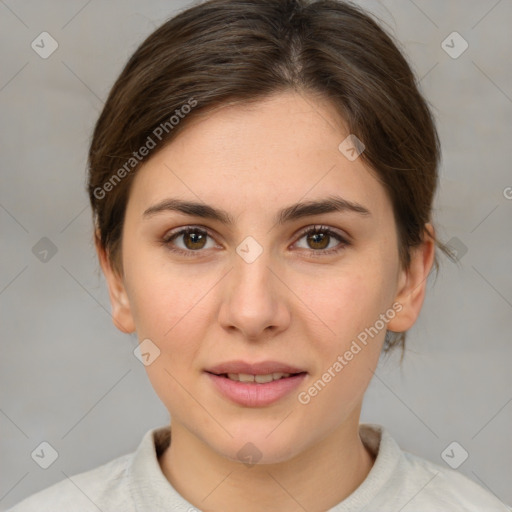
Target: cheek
{"x":172,"y":306}
{"x":161,"y":296}
{"x":171,"y":310}
{"x":347,"y":300}
{"x":350,"y":347}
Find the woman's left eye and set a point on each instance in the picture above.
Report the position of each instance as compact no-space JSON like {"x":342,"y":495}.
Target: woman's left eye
{"x":319,"y":238}
{"x":193,"y":240}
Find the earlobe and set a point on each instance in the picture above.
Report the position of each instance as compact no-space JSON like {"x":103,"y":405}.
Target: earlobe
{"x":413,"y":283}
{"x":121,"y":312}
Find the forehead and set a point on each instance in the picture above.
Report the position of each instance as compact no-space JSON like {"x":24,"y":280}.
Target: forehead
{"x":260,"y":155}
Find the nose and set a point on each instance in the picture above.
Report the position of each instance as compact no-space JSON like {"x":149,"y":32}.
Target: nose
{"x":254,"y":300}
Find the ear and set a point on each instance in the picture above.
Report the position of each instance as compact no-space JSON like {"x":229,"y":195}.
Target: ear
{"x":121,"y":312}
{"x":412,"y":283}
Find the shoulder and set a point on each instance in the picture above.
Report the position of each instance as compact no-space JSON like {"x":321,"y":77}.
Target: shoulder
{"x":92,"y":490}
{"x":447,"y":488}
{"x":400,"y":480}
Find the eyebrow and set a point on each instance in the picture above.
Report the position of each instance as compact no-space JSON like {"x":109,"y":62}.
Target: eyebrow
{"x":288,"y":214}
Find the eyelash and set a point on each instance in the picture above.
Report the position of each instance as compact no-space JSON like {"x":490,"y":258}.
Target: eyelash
{"x":324,"y":230}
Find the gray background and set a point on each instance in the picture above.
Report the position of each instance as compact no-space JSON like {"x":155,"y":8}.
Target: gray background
{"x":70,"y":378}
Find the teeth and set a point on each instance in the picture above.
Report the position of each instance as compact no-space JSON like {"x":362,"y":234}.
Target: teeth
{"x":279,"y":375}
{"x":260,"y":379}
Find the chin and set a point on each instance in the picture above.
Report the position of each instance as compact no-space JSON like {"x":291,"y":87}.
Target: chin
{"x":255,"y":446}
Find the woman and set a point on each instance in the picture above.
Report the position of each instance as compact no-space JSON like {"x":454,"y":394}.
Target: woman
{"x":261,"y":179}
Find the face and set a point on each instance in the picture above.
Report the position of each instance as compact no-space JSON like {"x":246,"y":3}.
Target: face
{"x":262,"y":288}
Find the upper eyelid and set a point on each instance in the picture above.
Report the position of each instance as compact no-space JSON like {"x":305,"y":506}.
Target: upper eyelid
{"x":323,"y":227}
{"x":183,"y":229}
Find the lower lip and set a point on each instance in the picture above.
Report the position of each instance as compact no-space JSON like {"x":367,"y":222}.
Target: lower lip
{"x":252,"y":394}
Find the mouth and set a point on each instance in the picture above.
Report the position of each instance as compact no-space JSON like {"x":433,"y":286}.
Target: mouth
{"x":255,"y":385}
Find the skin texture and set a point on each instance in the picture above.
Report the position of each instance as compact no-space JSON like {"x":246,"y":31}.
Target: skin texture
{"x":288,"y":305}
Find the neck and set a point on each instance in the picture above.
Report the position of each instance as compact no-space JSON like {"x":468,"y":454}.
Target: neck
{"x":315,"y":480}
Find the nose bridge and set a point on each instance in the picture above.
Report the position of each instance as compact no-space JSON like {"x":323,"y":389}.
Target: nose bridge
{"x":253,"y":302}
{"x":252,"y":275}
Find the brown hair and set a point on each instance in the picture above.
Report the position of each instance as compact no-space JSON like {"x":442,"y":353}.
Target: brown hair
{"x":230,"y":51}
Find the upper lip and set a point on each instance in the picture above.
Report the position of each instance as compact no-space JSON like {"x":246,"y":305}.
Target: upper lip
{"x":261,"y":368}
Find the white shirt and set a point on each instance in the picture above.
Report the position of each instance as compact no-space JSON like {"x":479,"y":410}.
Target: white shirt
{"x":398,"y":481}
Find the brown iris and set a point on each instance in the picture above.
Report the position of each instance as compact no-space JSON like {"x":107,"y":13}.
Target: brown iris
{"x":194,"y":240}
{"x":318,"y":239}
